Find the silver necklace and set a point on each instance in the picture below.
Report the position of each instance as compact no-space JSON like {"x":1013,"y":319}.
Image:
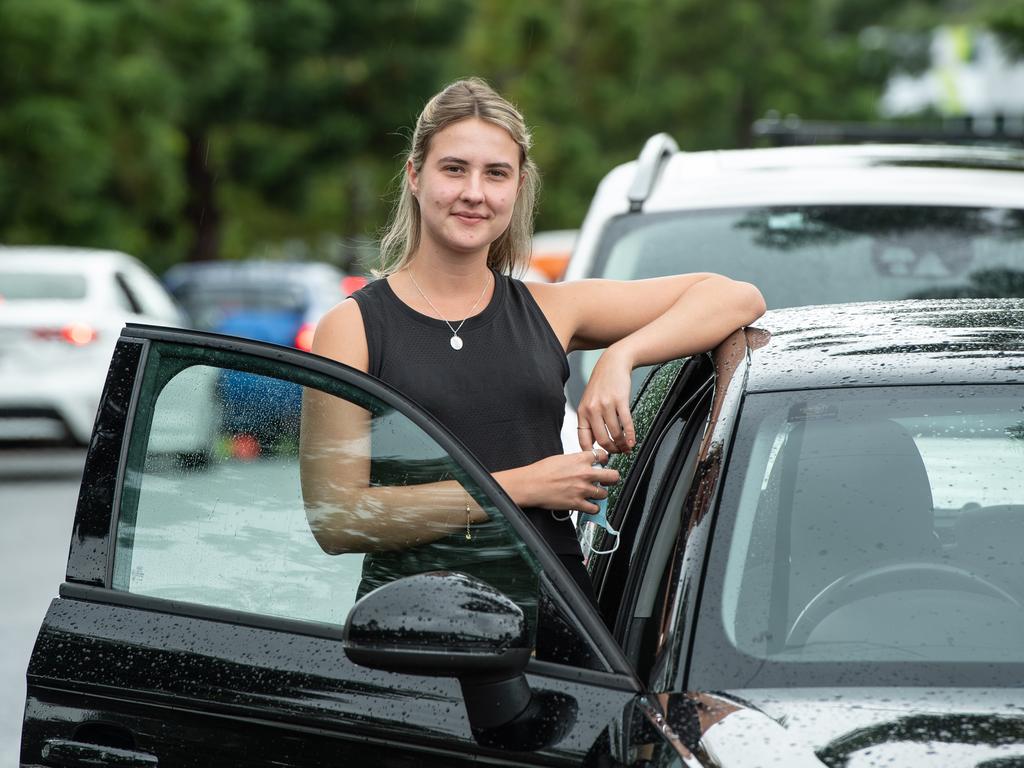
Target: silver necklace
{"x":455,"y":340}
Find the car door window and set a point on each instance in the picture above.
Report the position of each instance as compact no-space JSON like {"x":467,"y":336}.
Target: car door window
{"x":125,"y":295}
{"x":152,"y":297}
{"x":641,"y":478}
{"x":213,"y":513}
{"x":651,"y":393}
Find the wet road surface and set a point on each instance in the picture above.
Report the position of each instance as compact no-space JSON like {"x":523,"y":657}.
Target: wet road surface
{"x":38,"y":492}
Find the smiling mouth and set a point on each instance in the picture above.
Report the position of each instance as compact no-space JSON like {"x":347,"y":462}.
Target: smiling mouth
{"x":469,"y":216}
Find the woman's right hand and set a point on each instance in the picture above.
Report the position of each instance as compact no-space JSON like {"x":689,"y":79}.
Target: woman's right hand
{"x":560,"y":482}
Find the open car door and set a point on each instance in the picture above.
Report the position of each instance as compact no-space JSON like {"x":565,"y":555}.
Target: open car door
{"x":201,"y":623}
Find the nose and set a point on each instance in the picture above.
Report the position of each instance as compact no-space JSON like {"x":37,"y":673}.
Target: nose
{"x":472,"y":189}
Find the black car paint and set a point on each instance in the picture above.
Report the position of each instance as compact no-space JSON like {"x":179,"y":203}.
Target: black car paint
{"x":873,"y":345}
{"x":213,"y":682}
{"x":87,"y":561}
{"x":732,"y":362}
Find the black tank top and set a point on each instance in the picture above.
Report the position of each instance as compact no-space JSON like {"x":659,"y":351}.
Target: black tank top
{"x":502,"y":394}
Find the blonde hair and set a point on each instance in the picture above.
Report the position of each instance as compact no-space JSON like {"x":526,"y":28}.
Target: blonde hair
{"x":472,"y":97}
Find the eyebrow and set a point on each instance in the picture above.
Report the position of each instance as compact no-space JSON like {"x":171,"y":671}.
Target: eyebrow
{"x":460,"y":161}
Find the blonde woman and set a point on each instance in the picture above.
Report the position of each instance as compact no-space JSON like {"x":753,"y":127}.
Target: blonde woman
{"x":448,"y":325}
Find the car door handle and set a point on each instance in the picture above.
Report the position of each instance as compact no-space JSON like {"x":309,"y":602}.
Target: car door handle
{"x":80,"y":754}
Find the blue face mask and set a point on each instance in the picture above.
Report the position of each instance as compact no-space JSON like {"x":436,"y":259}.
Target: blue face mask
{"x":599,"y":519}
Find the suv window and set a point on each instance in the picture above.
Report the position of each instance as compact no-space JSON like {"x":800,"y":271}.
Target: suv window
{"x":227,"y":528}
{"x":801,"y":255}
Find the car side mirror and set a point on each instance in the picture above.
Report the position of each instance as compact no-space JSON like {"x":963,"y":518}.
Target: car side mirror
{"x":446,"y":624}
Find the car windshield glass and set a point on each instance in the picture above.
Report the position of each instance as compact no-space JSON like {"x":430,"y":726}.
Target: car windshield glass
{"x":41,"y":286}
{"x":208,"y":305}
{"x":803,"y":255}
{"x":865,"y":526}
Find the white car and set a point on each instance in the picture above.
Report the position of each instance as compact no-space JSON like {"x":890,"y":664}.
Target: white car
{"x":809,"y":225}
{"x":61,"y":312}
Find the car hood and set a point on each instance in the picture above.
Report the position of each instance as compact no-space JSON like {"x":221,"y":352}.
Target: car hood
{"x":860,"y":727}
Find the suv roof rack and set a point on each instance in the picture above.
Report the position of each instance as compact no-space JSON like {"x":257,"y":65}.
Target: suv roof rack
{"x":656,"y":152}
{"x":792,"y":131}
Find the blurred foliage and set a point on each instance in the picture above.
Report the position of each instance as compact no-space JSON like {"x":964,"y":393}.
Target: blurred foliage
{"x":1008,"y":22}
{"x":208,"y":128}
{"x":193,"y":129}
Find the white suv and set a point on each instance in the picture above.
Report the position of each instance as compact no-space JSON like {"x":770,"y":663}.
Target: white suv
{"x":811,"y":225}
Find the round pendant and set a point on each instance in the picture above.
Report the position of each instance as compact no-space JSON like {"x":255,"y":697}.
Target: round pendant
{"x":456,"y":342}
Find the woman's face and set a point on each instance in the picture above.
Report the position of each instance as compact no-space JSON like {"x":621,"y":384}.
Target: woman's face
{"x":467,"y":186}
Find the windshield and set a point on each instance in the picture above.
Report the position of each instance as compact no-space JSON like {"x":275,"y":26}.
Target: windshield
{"x":800,"y":255}
{"x":210,"y":304}
{"x":41,"y":286}
{"x":866,"y":527}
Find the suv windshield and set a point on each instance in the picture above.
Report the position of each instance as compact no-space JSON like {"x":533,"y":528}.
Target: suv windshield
{"x":866,"y":532}
{"x":801,"y":255}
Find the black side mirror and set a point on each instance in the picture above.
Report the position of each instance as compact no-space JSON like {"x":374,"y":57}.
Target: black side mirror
{"x":447,"y":625}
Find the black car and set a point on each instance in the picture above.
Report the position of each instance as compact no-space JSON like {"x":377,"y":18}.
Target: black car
{"x":821,"y":561}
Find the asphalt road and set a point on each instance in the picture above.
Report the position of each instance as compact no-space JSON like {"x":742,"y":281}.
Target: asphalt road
{"x":38,"y":492}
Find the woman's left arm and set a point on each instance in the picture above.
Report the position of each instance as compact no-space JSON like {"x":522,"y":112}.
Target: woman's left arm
{"x":640,"y":322}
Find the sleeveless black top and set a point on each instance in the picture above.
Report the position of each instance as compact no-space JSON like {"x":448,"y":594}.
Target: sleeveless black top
{"x":502,"y":394}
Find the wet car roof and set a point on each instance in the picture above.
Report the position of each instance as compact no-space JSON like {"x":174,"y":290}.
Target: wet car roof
{"x":891,"y":343}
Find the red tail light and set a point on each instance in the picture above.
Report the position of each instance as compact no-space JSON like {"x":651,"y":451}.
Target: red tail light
{"x":352,"y":283}
{"x":304,"y":338}
{"x":77,"y":334}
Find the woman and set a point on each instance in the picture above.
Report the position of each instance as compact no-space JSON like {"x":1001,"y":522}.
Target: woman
{"x":485,"y":353}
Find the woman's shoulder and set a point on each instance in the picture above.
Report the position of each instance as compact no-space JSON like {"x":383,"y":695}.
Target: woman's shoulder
{"x":555,"y":302}
{"x":549,"y":295}
{"x":344,"y":313}
{"x":341,"y":335}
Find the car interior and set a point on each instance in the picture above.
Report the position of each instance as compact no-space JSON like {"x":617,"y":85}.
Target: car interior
{"x":860,"y":497}
{"x":865,"y":536}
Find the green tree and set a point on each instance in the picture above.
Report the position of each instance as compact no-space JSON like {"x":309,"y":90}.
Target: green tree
{"x":1008,"y":22}
{"x":319,"y":145}
{"x":88,"y":156}
{"x":206,"y":49}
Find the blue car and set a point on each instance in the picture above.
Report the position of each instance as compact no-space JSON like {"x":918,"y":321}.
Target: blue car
{"x":277,"y":302}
